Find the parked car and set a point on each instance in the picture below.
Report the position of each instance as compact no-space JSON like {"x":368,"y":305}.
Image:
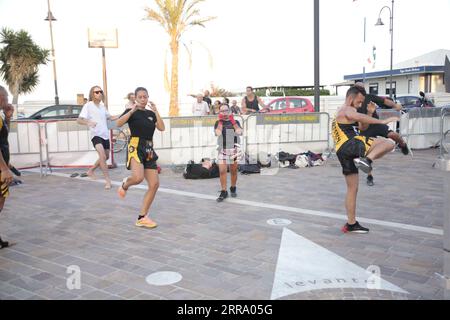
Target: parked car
{"x":290,"y":105}
{"x":57,"y":112}
{"x":383,"y":106}
{"x":409,"y":102}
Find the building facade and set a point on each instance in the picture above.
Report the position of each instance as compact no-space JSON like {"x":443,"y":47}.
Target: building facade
{"x":425,"y":73}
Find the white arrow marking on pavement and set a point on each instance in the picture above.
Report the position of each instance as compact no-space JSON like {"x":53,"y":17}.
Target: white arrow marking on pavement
{"x":305,"y":266}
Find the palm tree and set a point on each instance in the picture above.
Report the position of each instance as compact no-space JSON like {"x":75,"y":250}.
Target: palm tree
{"x":176,"y":17}
{"x":20,"y":58}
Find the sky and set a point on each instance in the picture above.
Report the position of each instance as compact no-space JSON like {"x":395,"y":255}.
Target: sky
{"x":251,"y":42}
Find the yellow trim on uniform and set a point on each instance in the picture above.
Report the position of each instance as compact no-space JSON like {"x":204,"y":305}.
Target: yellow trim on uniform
{"x":338,"y":135}
{"x":4,"y":190}
{"x":133,"y":150}
{"x":367,"y":142}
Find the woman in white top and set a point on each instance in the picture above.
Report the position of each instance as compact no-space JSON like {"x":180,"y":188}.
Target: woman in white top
{"x":95,"y":115}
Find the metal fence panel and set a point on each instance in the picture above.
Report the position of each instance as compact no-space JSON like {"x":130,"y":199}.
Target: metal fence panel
{"x":297,"y":132}
{"x":25,"y":143}
{"x":422,"y":127}
{"x":68,"y":144}
{"x":187,"y":138}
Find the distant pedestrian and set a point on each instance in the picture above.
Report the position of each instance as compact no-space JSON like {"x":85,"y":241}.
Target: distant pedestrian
{"x":215,"y":108}
{"x":200,"y":107}
{"x":234,"y":108}
{"x":251,"y":102}
{"x":207,"y":98}
{"x":131,"y":100}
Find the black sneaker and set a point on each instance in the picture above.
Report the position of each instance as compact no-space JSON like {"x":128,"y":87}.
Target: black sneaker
{"x":3,"y":244}
{"x":356,"y":228}
{"x":405,"y":149}
{"x":223,"y":195}
{"x":233,"y":192}
{"x":365,"y":164}
{"x":15,"y":171}
{"x":370,"y":181}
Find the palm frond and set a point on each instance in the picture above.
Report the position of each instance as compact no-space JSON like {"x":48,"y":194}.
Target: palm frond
{"x":20,"y":58}
{"x":155,"y":16}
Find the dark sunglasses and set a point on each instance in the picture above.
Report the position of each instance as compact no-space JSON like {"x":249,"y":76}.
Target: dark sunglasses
{"x":97,"y":92}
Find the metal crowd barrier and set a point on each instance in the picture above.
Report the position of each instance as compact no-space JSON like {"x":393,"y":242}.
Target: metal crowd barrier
{"x":64,"y":143}
{"x":387,"y":113}
{"x":50,"y":143}
{"x":445,"y":132}
{"x":422,"y":127}
{"x":187,"y":138}
{"x":25,"y":140}
{"x":291,"y":133}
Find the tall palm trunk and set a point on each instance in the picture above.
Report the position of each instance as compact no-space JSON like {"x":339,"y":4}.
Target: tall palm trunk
{"x":173,"y":108}
{"x":15,"y":101}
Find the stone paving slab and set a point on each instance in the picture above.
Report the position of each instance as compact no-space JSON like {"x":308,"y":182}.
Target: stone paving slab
{"x":223,"y":251}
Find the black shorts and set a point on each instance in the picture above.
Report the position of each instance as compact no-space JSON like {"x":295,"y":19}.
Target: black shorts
{"x":5,"y":153}
{"x":4,"y":187}
{"x":356,"y":147}
{"x":377,"y":130}
{"x":142,"y":151}
{"x":103,"y":142}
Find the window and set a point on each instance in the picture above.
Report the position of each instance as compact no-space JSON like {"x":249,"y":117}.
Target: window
{"x":281,"y":105}
{"x":401,"y":100}
{"x":437,"y":83}
{"x":410,"y":84}
{"x":373,"y":88}
{"x":393,"y":87}
{"x":298,"y":103}
{"x":76,"y":110}
{"x":53,"y":112}
{"x":278,"y":105}
{"x":412,"y":100}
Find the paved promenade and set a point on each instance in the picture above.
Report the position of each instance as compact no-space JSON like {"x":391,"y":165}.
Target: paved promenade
{"x":228,"y":250}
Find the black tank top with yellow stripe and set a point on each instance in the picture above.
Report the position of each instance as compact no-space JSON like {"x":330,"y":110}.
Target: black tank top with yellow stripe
{"x":342,"y":132}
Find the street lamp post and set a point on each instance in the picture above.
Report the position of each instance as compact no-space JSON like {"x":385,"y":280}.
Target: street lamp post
{"x":316,"y":56}
{"x":51,"y":18}
{"x":391,"y":29}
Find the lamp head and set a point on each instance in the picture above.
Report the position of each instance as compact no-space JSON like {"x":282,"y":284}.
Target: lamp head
{"x":379,"y":22}
{"x":50,"y":17}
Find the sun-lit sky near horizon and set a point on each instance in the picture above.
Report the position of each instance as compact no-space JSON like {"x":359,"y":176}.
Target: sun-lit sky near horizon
{"x":251,"y":42}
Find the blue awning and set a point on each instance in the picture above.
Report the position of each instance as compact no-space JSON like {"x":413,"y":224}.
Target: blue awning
{"x":396,"y":72}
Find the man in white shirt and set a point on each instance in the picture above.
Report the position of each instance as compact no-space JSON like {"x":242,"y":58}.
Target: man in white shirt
{"x":200,"y":107}
{"x":95,"y":115}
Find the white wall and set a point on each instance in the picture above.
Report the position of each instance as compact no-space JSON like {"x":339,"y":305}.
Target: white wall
{"x":401,"y":85}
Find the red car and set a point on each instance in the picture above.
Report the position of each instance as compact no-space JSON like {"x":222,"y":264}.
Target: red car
{"x":290,"y":105}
